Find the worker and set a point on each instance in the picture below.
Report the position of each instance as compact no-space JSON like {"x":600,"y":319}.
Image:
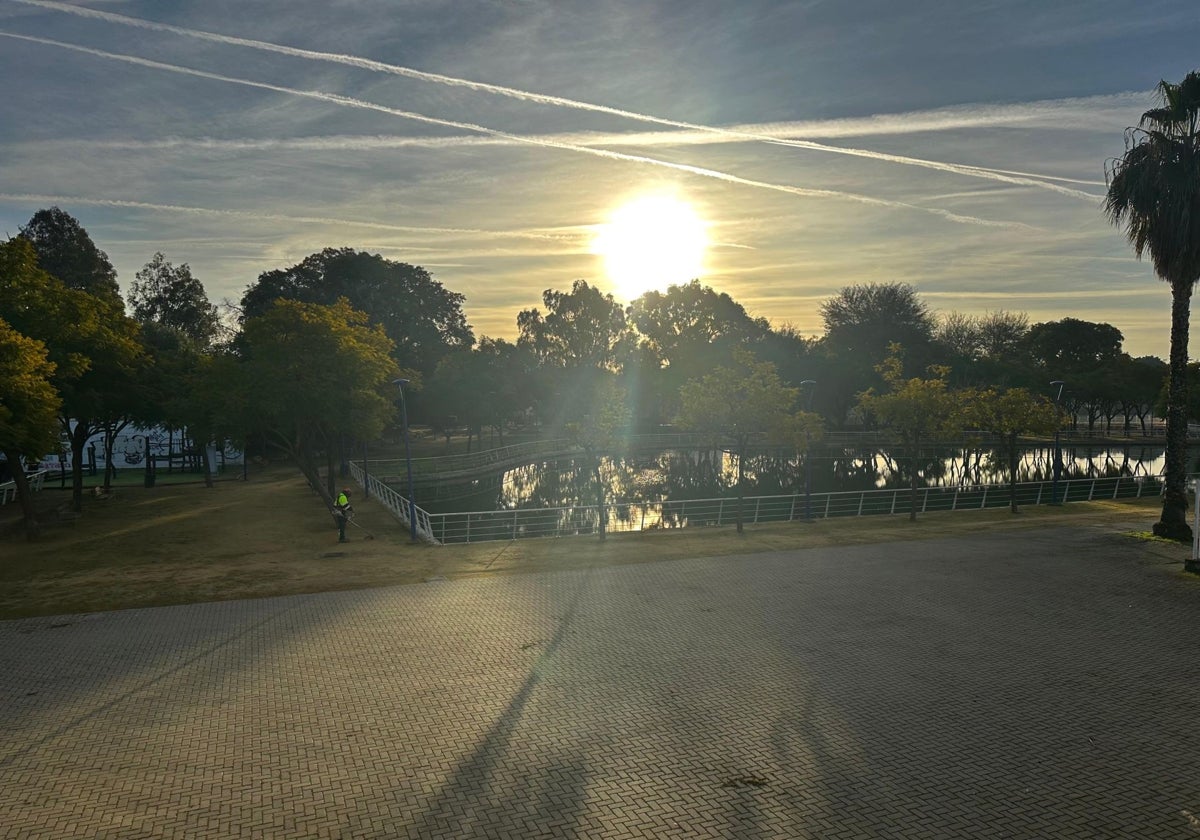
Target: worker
{"x":342,"y":513}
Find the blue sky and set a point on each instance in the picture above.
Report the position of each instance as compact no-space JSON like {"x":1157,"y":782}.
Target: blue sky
{"x":956,"y":146}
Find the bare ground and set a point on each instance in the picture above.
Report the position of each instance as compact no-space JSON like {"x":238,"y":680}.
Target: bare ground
{"x":271,"y":535}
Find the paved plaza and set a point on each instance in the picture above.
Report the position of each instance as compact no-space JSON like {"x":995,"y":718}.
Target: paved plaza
{"x":1024,"y":684}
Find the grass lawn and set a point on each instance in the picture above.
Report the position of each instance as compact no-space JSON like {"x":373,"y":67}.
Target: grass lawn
{"x":271,"y":535}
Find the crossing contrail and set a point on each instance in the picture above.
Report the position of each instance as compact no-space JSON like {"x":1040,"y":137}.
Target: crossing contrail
{"x":1003,"y":176}
{"x":351,"y":102}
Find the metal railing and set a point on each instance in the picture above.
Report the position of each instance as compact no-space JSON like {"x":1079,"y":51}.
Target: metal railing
{"x":394,"y":502}
{"x":8,"y":490}
{"x":479,"y":526}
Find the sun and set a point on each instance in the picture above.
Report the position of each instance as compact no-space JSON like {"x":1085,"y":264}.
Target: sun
{"x":650,"y":243}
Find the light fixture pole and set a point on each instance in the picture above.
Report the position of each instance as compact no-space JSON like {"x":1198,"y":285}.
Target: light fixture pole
{"x":1057,"y":445}
{"x":811,"y":384}
{"x":412,"y":506}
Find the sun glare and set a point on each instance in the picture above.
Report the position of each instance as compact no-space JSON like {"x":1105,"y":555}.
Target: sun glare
{"x":651,"y":243}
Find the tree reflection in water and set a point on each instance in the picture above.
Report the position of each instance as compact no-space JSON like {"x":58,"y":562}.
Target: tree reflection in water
{"x":711,"y":473}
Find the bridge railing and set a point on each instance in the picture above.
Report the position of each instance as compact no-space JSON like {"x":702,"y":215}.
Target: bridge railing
{"x":479,"y":526}
{"x":394,"y":502}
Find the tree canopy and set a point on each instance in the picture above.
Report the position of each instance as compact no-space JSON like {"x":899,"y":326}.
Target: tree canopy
{"x":312,"y":373}
{"x":424,"y":320}
{"x":170,"y":296}
{"x":66,"y":251}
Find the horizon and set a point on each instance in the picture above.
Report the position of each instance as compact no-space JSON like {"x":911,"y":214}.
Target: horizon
{"x":960,"y":151}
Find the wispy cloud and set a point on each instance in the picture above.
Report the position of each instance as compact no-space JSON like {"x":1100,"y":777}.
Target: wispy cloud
{"x":351,"y":102}
{"x":586,"y":138}
{"x":1023,"y":179}
{"x":255,"y":214}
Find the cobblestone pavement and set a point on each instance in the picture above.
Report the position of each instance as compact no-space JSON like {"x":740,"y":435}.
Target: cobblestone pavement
{"x":1038,"y":684}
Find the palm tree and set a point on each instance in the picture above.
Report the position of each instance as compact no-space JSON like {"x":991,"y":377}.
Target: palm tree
{"x":1154,"y":194}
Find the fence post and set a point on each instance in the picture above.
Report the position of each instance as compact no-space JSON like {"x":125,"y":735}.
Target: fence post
{"x":983,"y":502}
{"x":954,"y":501}
{"x":1117,"y":487}
{"x":1041,"y":486}
{"x":514,"y":525}
{"x":720,"y":511}
{"x":468,"y":527}
{"x":925,"y":501}
{"x":828,"y":499}
{"x":757,"y":505}
{"x":862,"y":497}
{"x":1092,"y":490}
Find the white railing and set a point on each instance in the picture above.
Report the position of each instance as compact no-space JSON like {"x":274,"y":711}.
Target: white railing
{"x":479,"y":526}
{"x":8,"y":490}
{"x":394,"y":502}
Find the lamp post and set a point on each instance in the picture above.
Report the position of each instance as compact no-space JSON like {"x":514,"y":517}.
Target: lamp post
{"x":811,"y":384}
{"x":1057,"y":445}
{"x":412,"y":506}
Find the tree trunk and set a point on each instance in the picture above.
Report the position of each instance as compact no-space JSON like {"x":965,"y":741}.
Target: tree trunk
{"x":331,"y":476}
{"x":1173,"y":521}
{"x":603,"y":514}
{"x":206,"y":466}
{"x":24,"y":494}
{"x":1012,"y":473}
{"x":109,"y":469}
{"x":741,"y":462}
{"x":79,"y":436}
{"x":912,"y":481}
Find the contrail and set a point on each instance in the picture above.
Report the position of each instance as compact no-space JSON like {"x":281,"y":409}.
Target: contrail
{"x":254,"y":214}
{"x":337,"y":99}
{"x":341,"y":142}
{"x":546,"y":99}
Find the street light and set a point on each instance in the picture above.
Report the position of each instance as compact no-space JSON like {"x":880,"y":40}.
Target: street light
{"x":412,"y":506}
{"x":1057,"y":445}
{"x":812,"y":387}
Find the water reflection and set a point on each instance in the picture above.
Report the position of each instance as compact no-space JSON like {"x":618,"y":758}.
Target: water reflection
{"x":712,"y":473}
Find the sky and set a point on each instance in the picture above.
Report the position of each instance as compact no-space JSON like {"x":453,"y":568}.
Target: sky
{"x":779,"y":151}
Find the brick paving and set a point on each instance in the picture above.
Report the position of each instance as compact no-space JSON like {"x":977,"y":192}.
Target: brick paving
{"x":1034,"y":684}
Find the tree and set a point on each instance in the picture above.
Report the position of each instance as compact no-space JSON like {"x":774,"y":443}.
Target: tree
{"x":1154,"y":194}
{"x":581,"y":328}
{"x":599,"y":431}
{"x":738,"y":404}
{"x":915,"y":409}
{"x":64,"y":250}
{"x":575,"y":344}
{"x":423,"y":319}
{"x":861,"y":323}
{"x":170,"y":296}
{"x":1071,"y":347}
{"x":868,"y":318}
{"x":312,"y":374}
{"x":94,"y":345}
{"x":687,"y":331}
{"x":1010,"y":414}
{"x":28,"y":410}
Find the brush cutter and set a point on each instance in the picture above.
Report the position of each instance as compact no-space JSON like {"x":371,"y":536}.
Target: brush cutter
{"x":350,"y":519}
